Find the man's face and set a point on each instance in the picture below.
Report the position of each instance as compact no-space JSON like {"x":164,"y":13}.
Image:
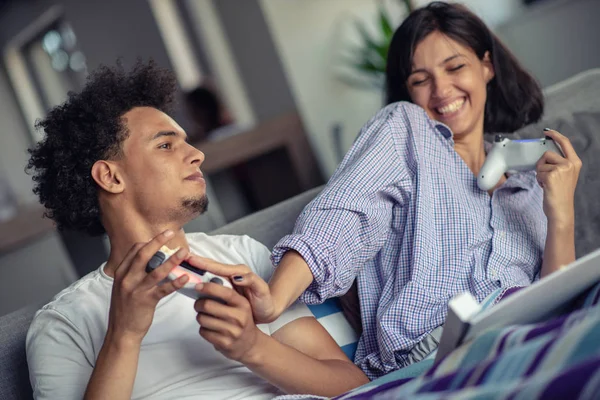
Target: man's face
{"x":161,"y":170}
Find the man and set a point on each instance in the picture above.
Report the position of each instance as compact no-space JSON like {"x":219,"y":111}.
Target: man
{"x":114,"y":161}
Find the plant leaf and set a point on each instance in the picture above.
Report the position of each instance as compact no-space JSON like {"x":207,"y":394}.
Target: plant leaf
{"x":385,"y":24}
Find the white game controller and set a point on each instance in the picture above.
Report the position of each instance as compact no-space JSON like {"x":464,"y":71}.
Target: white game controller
{"x":196,"y":275}
{"x":512,"y":155}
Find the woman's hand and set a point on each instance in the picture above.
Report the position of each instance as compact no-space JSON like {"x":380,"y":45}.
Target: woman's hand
{"x":558,"y":177}
{"x":252,"y":286}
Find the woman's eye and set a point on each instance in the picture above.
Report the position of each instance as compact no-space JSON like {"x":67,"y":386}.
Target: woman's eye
{"x":418,"y":82}
{"x":165,"y":146}
{"x":457,"y":67}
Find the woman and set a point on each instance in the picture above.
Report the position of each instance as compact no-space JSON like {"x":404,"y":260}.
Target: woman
{"x":403,"y":212}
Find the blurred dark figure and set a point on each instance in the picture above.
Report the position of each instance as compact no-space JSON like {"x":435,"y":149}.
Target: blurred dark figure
{"x":211,"y":118}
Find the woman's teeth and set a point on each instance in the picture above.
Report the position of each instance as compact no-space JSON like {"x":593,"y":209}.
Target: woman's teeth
{"x":450,"y":108}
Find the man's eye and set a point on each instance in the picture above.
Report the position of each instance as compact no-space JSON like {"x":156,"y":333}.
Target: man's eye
{"x":165,"y":146}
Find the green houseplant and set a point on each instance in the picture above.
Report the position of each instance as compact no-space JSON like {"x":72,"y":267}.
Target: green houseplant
{"x":368,"y":59}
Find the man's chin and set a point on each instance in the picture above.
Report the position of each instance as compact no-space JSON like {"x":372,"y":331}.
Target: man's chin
{"x":196,"y":206}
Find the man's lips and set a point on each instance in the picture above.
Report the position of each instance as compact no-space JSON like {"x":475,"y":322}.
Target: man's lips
{"x":198,"y":177}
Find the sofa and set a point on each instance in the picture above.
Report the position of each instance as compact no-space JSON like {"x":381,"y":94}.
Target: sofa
{"x":572,"y":107}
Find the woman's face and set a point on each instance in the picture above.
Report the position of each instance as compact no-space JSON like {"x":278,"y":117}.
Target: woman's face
{"x":449,"y":81}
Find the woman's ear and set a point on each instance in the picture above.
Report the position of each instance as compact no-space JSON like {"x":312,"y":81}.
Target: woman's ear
{"x":108,"y":176}
{"x":488,"y":67}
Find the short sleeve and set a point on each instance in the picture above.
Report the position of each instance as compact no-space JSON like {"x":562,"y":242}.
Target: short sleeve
{"x":59,"y":367}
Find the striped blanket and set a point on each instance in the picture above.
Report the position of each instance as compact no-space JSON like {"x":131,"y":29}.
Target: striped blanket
{"x":555,"y":359}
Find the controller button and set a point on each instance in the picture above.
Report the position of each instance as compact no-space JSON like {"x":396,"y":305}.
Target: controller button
{"x":187,"y":265}
{"x":155,"y":262}
{"x":218,"y":281}
{"x":498,"y":138}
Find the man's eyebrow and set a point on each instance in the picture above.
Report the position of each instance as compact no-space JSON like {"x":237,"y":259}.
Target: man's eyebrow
{"x":442,"y":63}
{"x":167,"y":133}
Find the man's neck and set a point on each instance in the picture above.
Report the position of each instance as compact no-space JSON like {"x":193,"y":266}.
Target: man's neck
{"x":128,"y":232}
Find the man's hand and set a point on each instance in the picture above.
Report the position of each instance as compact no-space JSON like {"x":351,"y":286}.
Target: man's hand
{"x":136,"y":293}
{"x":229,"y":325}
{"x":252,"y":286}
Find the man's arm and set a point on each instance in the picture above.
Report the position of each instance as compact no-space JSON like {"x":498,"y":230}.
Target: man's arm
{"x":115,"y":370}
{"x":134,"y":298}
{"x":301,"y":357}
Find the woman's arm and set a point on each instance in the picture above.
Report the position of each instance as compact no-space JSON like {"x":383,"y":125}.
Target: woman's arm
{"x":560,"y":247}
{"x":345,"y":226}
{"x":558,"y":177}
{"x":289,"y":281}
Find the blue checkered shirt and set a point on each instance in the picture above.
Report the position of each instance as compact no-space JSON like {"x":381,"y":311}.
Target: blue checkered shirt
{"x":403,"y":212}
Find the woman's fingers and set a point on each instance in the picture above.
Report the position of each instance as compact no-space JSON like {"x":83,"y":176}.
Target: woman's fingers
{"x":564,"y":143}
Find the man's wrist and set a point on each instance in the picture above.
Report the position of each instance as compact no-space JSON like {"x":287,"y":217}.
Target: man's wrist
{"x":255,"y":355}
{"x":122,"y":341}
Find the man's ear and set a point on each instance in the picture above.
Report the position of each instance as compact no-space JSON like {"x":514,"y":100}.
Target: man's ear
{"x":488,"y":67}
{"x":108,"y":176}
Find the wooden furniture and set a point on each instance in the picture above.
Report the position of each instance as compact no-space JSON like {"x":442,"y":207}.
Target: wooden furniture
{"x":29,"y":226}
{"x":272,"y":161}
{"x":26,"y":226}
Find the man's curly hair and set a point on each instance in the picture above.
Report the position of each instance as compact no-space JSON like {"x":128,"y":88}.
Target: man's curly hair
{"x":86,"y":128}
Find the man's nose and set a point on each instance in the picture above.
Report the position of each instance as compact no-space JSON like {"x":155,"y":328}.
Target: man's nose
{"x":196,"y":156}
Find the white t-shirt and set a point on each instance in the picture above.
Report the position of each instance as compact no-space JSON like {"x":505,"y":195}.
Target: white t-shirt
{"x":175,"y":362}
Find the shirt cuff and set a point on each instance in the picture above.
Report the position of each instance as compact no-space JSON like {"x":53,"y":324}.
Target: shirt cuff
{"x":317,"y":291}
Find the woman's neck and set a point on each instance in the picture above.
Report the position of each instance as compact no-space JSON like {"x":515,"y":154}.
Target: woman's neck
{"x":471,"y":149}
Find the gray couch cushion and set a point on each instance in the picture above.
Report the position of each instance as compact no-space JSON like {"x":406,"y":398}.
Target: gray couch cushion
{"x":573,"y":108}
{"x":14,"y":376}
{"x":271,"y":224}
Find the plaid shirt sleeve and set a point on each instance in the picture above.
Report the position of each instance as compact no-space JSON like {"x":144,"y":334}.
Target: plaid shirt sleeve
{"x":349,"y":221}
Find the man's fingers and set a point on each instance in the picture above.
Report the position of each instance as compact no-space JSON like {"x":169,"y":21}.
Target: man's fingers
{"x":137,"y":267}
{"x":228,"y":295}
{"x":217,"y":325}
{"x":217,"y":268}
{"x":171,"y":286}
{"x":124,"y":265}
{"x":218,"y":310}
{"x":162,"y":271}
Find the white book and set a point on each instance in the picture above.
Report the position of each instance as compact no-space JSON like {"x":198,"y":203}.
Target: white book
{"x":529,"y":305}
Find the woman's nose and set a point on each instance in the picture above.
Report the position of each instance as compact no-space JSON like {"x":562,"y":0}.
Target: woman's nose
{"x":442,"y":88}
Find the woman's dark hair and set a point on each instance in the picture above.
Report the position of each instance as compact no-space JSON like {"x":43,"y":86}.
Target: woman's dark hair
{"x":86,"y":128}
{"x":514,"y":98}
